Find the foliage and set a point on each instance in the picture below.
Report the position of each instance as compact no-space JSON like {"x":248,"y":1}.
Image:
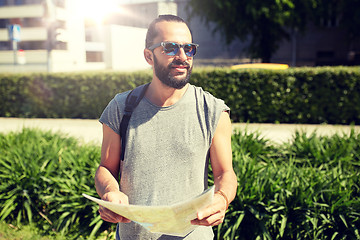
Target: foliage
{"x":297,"y":95}
{"x":63,"y":95}
{"x":300,"y":95}
{"x":344,"y":13}
{"x":265,"y":23}
{"x":43,"y":176}
{"x":308,"y":188}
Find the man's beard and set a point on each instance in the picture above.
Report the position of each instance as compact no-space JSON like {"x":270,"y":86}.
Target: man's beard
{"x":165,"y":76}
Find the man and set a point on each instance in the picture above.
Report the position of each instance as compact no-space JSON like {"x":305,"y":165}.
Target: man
{"x":172,"y":133}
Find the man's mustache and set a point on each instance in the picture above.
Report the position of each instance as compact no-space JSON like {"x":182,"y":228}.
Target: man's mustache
{"x":179,"y":63}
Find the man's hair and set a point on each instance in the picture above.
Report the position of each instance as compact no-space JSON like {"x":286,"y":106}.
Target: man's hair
{"x":152,"y":33}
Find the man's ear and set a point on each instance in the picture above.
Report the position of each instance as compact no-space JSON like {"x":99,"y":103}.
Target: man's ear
{"x":148,"y":56}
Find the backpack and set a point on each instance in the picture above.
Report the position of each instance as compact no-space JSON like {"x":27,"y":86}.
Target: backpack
{"x":131,"y":102}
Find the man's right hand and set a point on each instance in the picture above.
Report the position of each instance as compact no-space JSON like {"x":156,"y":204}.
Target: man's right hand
{"x":110,"y":216}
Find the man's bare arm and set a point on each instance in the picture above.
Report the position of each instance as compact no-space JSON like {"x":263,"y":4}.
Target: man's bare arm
{"x":106,"y":177}
{"x":224,"y":176}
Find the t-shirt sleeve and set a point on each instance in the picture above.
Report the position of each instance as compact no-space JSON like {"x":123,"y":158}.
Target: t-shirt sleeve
{"x":213,"y":108}
{"x":220,"y":107}
{"x":112,"y":114}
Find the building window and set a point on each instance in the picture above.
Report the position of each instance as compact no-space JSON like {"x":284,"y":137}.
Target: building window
{"x":5,"y":46}
{"x":32,"y":45}
{"x":33,"y":1}
{"x":61,"y":46}
{"x":325,"y":54}
{"x":12,"y":2}
{"x":60,"y":3}
{"x":93,"y":56}
{"x":33,"y":22}
{"x":4,"y":23}
{"x":325,"y":58}
{"x":19,"y":2}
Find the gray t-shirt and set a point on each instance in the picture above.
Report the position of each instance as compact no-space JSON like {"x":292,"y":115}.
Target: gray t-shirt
{"x":167,"y":153}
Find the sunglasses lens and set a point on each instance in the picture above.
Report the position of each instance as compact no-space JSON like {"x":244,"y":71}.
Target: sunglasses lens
{"x":171,"y":49}
{"x":190,"y":50}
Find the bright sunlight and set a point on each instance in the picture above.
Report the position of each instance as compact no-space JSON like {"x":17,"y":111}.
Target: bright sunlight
{"x":97,"y":10}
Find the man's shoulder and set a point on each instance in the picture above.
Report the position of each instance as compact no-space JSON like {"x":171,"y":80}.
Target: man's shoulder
{"x":121,"y":97}
{"x":209,"y":99}
{"x":203,"y":93}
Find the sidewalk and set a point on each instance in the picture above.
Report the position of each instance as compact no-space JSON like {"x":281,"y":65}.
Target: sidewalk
{"x":279,"y":133}
{"x":90,"y":130}
{"x":87,"y":131}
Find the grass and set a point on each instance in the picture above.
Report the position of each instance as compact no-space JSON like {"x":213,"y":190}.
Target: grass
{"x":28,"y":232}
{"x":308,"y":188}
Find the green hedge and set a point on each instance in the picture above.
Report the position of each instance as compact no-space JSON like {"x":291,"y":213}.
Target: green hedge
{"x":306,"y":189}
{"x":300,"y":95}
{"x":63,"y":95}
{"x":297,"y":95}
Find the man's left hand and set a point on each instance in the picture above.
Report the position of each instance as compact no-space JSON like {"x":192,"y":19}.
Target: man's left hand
{"x":213,"y":214}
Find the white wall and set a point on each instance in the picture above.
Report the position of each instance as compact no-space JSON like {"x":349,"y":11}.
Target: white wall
{"x":125,"y":48}
{"x":75,"y":57}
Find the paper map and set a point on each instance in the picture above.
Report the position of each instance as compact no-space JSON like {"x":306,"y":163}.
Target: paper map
{"x":172,"y":220}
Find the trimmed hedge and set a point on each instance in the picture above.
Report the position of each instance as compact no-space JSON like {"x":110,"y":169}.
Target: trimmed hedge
{"x":297,"y":95}
{"x":300,"y":95}
{"x":63,"y":95}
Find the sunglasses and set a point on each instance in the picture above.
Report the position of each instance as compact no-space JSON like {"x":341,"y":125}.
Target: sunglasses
{"x":171,"y":49}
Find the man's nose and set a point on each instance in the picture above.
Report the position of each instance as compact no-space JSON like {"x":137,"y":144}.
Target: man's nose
{"x":181,"y":55}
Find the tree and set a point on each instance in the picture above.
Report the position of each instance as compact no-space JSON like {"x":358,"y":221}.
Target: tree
{"x":265,"y":23}
{"x":350,"y":17}
{"x":344,"y":14}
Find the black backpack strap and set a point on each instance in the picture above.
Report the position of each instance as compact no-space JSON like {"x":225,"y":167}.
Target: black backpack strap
{"x":132,"y":100}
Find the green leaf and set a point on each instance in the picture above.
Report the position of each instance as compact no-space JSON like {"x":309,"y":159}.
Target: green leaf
{"x":283,"y":225}
{"x":28,"y":211}
{"x":9,"y":205}
{"x":95,"y":229}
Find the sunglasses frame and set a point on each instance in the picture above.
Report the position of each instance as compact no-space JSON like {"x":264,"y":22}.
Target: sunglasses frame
{"x":178,"y":47}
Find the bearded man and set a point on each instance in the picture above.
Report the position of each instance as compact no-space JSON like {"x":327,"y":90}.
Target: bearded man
{"x":174,"y":132}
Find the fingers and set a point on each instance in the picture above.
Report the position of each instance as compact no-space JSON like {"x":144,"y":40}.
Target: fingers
{"x":212,"y":220}
{"x":110,"y":216}
{"x":212,"y":215}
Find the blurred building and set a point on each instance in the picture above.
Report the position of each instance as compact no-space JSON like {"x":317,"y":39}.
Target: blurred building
{"x":35,"y":17}
{"x":320,"y":45}
{"x":55,"y":36}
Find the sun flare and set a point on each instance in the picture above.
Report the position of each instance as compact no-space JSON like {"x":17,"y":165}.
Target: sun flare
{"x":97,"y":10}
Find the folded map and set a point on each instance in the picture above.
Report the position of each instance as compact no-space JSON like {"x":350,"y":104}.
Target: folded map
{"x":171,"y":220}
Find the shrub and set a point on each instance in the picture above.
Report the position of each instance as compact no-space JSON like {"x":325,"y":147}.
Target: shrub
{"x":308,"y":188}
{"x":43,"y":176}
{"x":297,"y":95}
{"x":302,"y":190}
{"x":63,"y":95}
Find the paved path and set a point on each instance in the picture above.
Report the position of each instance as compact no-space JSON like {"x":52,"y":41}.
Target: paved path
{"x":90,"y":131}
{"x":278,"y":133}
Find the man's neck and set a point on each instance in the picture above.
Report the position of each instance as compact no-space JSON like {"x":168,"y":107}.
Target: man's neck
{"x":162,"y":95}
